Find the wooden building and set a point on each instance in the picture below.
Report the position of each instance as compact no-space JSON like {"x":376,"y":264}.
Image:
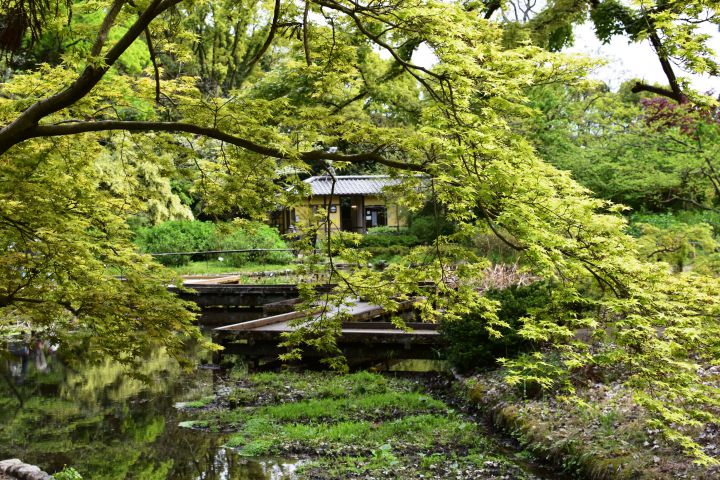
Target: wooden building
{"x":355,"y":204}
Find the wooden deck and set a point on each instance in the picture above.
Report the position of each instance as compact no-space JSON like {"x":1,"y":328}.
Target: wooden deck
{"x":222,"y":295}
{"x":366,"y":335}
{"x":252,"y":319}
{"x":221,"y":304}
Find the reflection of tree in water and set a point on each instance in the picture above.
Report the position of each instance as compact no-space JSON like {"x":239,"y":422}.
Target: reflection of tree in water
{"x":107,"y":424}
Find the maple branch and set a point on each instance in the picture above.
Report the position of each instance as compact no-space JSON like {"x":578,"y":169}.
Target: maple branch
{"x":179,"y":127}
{"x":306,"y":45}
{"x":153,"y":59}
{"x":19,"y":129}
{"x":675,"y":92}
{"x":664,"y":92}
{"x":492,"y":7}
{"x":107,"y":24}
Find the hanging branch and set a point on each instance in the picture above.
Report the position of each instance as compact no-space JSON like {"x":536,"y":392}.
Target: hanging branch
{"x":306,"y":44}
{"x":19,"y":129}
{"x":268,"y":41}
{"x":74,"y":128}
{"x":153,"y":59}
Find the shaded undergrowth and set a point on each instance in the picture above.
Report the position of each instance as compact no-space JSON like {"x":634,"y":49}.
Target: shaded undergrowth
{"x":361,"y":425}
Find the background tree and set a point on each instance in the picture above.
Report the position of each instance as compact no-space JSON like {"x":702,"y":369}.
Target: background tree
{"x":675,"y":31}
{"x":645,"y":152}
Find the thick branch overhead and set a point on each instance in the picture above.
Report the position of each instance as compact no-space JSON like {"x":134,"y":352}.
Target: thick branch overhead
{"x":313,"y":155}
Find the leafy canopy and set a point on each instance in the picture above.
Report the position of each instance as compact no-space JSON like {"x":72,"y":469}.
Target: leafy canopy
{"x":249,"y":91}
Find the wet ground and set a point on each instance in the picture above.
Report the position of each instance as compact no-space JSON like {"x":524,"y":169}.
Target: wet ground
{"x":109,"y":425}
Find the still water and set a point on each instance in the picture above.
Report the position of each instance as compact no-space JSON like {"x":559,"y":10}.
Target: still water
{"x":109,"y":425}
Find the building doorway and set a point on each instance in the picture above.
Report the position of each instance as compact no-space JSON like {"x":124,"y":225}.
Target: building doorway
{"x":351,"y":214}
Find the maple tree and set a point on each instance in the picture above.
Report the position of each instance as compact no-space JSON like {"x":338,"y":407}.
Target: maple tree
{"x":250,"y":90}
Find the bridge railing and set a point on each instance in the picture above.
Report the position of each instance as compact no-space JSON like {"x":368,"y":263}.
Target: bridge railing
{"x":217,"y":252}
{"x":253,"y":263}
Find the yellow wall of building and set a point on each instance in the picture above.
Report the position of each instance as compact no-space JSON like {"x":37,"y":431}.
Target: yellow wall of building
{"x":303,"y":213}
{"x":396,"y":217}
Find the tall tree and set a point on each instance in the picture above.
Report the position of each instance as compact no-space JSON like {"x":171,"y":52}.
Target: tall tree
{"x":317,"y":89}
{"x":676,"y":31}
{"x":646,"y":152}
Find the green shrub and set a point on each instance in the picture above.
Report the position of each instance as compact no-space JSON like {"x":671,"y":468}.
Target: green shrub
{"x":669,"y":219}
{"x":427,"y":227}
{"x":251,"y":235}
{"x":381,"y":231}
{"x":387,"y":237}
{"x":469,"y":345}
{"x":177,"y":236}
{"x":194,"y":236}
{"x":68,"y":473}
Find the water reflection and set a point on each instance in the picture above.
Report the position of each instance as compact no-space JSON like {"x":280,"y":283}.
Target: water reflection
{"x":109,"y":425}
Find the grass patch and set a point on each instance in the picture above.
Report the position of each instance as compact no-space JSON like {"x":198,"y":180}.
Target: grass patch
{"x":193,"y":424}
{"x":355,"y":425}
{"x":273,"y":388}
{"x":215,"y":266}
{"x":408,"y":434}
{"x":374,"y":406}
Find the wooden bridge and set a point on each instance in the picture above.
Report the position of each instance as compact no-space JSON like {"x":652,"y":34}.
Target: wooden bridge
{"x":367,"y":335}
{"x":251,"y":320}
{"x":223,"y":304}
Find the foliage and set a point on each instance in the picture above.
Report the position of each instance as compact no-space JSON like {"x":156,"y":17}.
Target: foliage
{"x":252,"y":235}
{"x":427,"y":227}
{"x":65,"y":241}
{"x":683,"y":239}
{"x":309,"y":86}
{"x":678,"y":244}
{"x":627,"y":149}
{"x":177,"y":236}
{"x":471,"y":347}
{"x":195,"y":236}
{"x":674,"y":30}
{"x":68,"y":473}
{"x":671,"y":218}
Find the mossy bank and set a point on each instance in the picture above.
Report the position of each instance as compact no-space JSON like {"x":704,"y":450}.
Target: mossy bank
{"x":600,"y":435}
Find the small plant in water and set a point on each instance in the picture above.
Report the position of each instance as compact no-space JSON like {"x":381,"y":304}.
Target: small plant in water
{"x":68,"y":473}
{"x":383,"y":456}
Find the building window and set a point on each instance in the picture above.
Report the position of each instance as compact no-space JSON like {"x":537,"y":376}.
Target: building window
{"x":375,"y":217}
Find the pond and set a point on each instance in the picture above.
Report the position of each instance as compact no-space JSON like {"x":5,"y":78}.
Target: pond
{"x":108,"y":425}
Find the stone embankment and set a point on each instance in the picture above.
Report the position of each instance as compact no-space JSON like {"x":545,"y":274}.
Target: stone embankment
{"x":14,"y":469}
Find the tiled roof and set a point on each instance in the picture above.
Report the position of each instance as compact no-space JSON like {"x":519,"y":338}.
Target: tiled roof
{"x":351,"y":184}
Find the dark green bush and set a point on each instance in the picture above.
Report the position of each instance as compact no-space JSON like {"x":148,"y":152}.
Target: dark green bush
{"x":251,"y":235}
{"x":177,"y":236}
{"x":194,"y":236}
{"x":387,"y":237}
{"x":469,"y":345}
{"x":427,"y":228}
